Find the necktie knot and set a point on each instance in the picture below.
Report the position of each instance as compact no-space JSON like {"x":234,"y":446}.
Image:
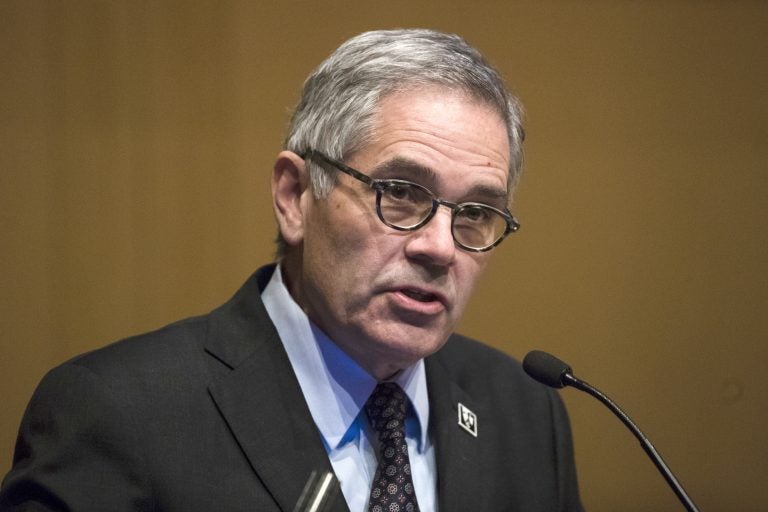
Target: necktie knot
{"x":386,"y":409}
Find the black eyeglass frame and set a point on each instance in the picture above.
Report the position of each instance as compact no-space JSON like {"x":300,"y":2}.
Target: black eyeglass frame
{"x":379,"y":185}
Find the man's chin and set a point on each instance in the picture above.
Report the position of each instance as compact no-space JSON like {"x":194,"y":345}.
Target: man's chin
{"x":410,"y":343}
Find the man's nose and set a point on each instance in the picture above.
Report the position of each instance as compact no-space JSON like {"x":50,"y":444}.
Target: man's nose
{"x":434,"y":241}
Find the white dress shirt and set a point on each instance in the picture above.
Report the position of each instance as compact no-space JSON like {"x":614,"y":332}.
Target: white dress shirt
{"x":336,"y":389}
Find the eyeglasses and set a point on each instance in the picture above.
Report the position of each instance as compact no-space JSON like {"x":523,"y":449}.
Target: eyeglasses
{"x":407,"y":206}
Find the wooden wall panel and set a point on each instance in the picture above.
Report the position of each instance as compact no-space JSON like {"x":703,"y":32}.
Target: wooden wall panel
{"x":137,"y":139}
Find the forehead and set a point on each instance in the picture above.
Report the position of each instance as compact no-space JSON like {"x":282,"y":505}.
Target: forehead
{"x":458,"y":138}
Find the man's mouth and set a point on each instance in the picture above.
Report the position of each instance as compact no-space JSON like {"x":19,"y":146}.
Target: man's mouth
{"x":416,"y":299}
{"x":419,"y":295}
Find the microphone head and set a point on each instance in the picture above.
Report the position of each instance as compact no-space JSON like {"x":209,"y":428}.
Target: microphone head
{"x":546,"y":368}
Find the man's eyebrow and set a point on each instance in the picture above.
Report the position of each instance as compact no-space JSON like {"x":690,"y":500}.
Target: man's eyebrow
{"x":404,"y":168}
{"x":490,"y":194}
{"x":407,"y":169}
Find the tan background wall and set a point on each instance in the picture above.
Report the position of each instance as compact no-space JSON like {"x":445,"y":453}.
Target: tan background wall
{"x":136,"y":141}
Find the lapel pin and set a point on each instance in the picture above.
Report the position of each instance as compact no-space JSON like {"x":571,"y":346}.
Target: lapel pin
{"x":467,"y":420}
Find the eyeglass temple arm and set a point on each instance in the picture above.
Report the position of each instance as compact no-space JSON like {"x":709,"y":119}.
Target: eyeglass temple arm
{"x":340,"y":166}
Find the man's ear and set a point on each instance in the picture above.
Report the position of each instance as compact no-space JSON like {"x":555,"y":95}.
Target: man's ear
{"x":290,"y":182}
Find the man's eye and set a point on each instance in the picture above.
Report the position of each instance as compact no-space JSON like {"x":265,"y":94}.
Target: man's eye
{"x":475,"y":213}
{"x":402,"y":192}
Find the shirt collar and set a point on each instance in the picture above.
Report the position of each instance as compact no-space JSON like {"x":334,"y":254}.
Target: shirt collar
{"x":334,"y":385}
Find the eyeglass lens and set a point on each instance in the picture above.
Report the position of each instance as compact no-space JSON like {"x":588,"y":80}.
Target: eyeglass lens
{"x":405,"y":205}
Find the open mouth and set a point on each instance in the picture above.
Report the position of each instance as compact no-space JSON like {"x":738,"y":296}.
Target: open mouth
{"x":419,"y":296}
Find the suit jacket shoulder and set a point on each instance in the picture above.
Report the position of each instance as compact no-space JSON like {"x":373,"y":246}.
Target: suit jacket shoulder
{"x":203,"y":414}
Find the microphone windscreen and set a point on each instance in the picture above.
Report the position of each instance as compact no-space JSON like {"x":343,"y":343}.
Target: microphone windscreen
{"x":545,"y":368}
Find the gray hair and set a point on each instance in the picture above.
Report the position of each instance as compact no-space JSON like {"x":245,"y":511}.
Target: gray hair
{"x":339,"y":101}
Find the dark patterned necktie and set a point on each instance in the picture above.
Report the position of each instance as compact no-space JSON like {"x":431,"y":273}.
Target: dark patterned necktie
{"x":392,"y":488}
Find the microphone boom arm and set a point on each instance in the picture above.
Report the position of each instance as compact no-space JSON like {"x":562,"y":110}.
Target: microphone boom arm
{"x":568,"y":379}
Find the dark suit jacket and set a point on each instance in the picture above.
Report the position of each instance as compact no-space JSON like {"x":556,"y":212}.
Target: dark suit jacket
{"x":207,"y":415}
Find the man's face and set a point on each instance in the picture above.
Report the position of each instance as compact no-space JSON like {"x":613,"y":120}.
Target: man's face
{"x":387,"y":297}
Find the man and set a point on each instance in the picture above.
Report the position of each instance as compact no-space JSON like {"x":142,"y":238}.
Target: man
{"x":390,"y":195}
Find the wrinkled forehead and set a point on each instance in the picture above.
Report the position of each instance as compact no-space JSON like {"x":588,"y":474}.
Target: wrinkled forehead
{"x":438,"y":134}
{"x":446,"y":115}
{"x":415,"y":88}
{"x":408,"y":101}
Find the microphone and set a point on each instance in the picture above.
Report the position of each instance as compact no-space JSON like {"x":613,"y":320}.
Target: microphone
{"x":319,"y":492}
{"x":554,"y":373}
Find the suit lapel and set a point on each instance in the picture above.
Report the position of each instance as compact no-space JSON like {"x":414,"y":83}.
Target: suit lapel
{"x":459,"y":454}
{"x":260,"y":399}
